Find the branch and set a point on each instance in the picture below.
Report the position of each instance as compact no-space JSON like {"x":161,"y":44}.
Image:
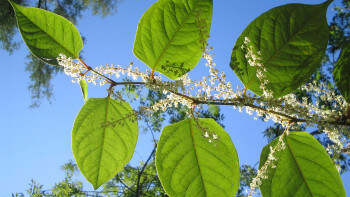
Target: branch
{"x":122,"y":182}
{"x":238,"y":102}
{"x":140,"y":173}
{"x":111,"y":81}
{"x":149,"y":127}
{"x":315,"y":132}
{"x":150,"y":183}
{"x":39,"y":4}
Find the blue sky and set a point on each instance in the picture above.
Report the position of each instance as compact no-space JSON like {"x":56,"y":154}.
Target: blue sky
{"x":34,"y":143}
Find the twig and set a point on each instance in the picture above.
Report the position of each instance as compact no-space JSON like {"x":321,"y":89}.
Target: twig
{"x":122,"y":182}
{"x":140,"y":173}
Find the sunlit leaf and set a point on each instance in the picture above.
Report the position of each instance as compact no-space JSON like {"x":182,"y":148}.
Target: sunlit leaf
{"x":189,"y":165}
{"x":303,"y":168}
{"x":171,"y":35}
{"x":47,"y":34}
{"x":83,"y":87}
{"x":292,"y":40}
{"x":104,"y":137}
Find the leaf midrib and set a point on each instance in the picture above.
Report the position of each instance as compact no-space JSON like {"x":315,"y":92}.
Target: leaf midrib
{"x":172,"y":38}
{"x":280,"y":49}
{"x":103,"y":142}
{"x":292,"y":37}
{"x":73,"y":55}
{"x":195,"y":151}
{"x":300,"y":171}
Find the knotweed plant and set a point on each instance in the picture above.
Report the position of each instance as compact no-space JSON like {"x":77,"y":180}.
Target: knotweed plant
{"x":215,"y":90}
{"x":196,"y":157}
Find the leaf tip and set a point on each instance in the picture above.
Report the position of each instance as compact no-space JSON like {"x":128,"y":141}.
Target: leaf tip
{"x":96,"y":186}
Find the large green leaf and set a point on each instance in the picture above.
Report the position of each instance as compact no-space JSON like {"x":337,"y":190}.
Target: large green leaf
{"x":341,"y":73}
{"x":47,"y":34}
{"x":292,"y":40}
{"x":104,"y":137}
{"x":304,"y":168}
{"x":189,"y":165}
{"x":171,"y":35}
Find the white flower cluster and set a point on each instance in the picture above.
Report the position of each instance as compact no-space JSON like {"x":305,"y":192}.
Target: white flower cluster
{"x":254,"y":60}
{"x":334,"y":134}
{"x":318,"y":113}
{"x":262,"y":173}
{"x":211,"y":88}
{"x":117,"y":71}
{"x":223,"y":89}
{"x":172,"y":100}
{"x":96,"y":76}
{"x":211,"y":136}
{"x":70,"y":68}
{"x":207,"y":133}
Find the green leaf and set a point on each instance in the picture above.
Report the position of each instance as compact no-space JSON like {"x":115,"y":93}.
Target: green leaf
{"x":304,"y":168}
{"x":47,"y":34}
{"x":83,"y":87}
{"x":292,"y":40}
{"x":189,"y":165}
{"x":104,"y":137}
{"x":341,"y":72}
{"x":172,"y":34}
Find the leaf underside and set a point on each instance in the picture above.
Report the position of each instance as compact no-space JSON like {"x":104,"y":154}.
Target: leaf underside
{"x":47,"y":34}
{"x":188,"y":165}
{"x":304,"y":168}
{"x":104,"y":137}
{"x":292,"y":40}
{"x":83,"y":87}
{"x":169,"y":36}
